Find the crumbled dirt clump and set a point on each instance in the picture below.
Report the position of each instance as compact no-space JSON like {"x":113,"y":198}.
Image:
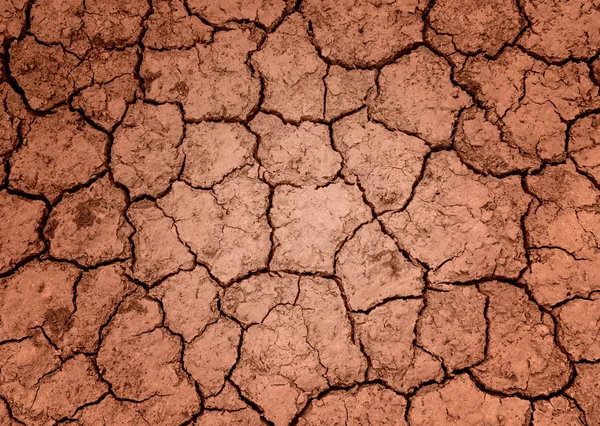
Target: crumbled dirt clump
{"x":299,"y":212}
{"x":12,"y":18}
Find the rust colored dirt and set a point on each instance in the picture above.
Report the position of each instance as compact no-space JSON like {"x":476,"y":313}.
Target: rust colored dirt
{"x":300,"y":212}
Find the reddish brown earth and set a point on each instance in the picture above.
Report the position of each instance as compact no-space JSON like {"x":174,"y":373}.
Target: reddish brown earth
{"x":309,"y":213}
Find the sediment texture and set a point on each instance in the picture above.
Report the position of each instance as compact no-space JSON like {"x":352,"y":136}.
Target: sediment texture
{"x":300,"y":213}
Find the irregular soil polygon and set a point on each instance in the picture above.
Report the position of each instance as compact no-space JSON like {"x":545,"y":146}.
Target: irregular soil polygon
{"x":453,"y":326}
{"x":385,"y":163}
{"x":24,"y":364}
{"x":561,"y":30}
{"x":157,"y":250}
{"x":47,"y":74}
{"x":295,"y":353}
{"x":568,"y":88}
{"x":498,"y":83}
{"x":226,"y":227}
{"x":213,"y":150}
{"x":458,"y":402}
{"x":372,"y":269}
{"x":250,"y":300}
{"x":477,"y":27}
{"x":569,"y":198}
{"x":113,"y":24}
{"x":115,"y":87}
{"x":245,"y":416}
{"x":75,"y":384}
{"x":145,"y":155}
{"x":38,"y":294}
{"x":142,"y":362}
{"x":293,"y":87}
{"x":577,"y":328}
{"x":170,"y":27}
{"x":584,"y":145}
{"x":310,"y":224}
{"x":371,"y":405}
{"x":89,"y":226}
{"x":20,"y":223}
{"x":295,"y":155}
{"x":212,"y":354}
{"x":190,"y":302}
{"x":584,"y":390}
{"x":558,"y":411}
{"x":347,"y":90}
{"x":415,"y":95}
{"x":97,"y":294}
{"x":483,"y":146}
{"x":60,"y":152}
{"x":522,"y":356}
{"x":364,"y":33}
{"x":554,"y":275}
{"x":60,"y":22}
{"x":211,"y":82}
{"x":462,"y":225}
{"x":387,"y":334}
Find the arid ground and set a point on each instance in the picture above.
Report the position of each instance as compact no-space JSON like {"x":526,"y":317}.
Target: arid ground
{"x":322,"y":212}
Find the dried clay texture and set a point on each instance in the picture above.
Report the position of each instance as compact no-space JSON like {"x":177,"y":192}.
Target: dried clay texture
{"x":299,"y":213}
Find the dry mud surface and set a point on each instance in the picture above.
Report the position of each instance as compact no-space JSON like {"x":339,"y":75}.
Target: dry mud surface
{"x":310,"y":213}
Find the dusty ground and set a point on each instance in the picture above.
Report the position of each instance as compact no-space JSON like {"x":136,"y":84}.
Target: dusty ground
{"x":329,"y":212}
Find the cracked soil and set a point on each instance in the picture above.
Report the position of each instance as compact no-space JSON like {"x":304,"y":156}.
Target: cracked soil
{"x":309,"y":213}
